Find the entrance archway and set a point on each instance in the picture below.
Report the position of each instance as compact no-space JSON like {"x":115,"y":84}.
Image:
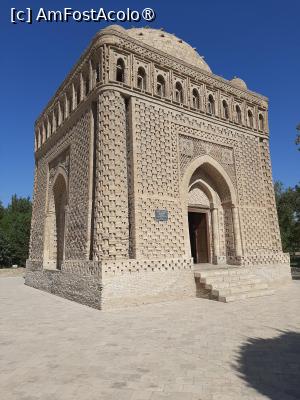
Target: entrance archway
{"x":211,"y":223}
{"x":54,"y":253}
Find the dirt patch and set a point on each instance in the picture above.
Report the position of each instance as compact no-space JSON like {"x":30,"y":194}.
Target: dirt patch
{"x":7,"y":272}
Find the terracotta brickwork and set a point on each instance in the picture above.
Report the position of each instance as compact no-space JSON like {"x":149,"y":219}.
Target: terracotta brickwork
{"x":140,"y":134}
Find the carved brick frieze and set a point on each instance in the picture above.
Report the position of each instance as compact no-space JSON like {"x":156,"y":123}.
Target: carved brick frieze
{"x":191,"y":148}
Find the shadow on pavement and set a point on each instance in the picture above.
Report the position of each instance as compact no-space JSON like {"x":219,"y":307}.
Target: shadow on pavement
{"x":272,"y":366}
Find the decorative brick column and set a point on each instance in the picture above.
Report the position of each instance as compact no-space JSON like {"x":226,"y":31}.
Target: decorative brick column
{"x":215,"y":232}
{"x":236,"y":232}
{"x":111,"y":225}
{"x":269,"y":198}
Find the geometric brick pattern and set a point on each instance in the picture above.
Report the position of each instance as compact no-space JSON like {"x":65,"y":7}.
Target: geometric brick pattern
{"x":38,"y":205}
{"x":77,"y":141}
{"x":256,"y":230}
{"x":156,"y":151}
{"x":125,"y":266}
{"x":162,"y":239}
{"x":265,"y":163}
{"x":249,"y":164}
{"x":78,"y":213}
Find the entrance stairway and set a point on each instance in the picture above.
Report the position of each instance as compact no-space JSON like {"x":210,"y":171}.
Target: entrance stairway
{"x":228,"y":283}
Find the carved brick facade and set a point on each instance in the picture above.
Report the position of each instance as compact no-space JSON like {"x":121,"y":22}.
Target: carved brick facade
{"x":134,"y":142}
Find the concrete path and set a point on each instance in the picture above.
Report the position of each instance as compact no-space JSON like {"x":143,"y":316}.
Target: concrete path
{"x":54,"y":349}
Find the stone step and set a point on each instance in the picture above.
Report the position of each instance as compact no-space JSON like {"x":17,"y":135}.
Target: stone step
{"x":227,"y":278}
{"x":220,"y":272}
{"x":239,"y":289}
{"x":245,"y":295}
{"x":227,"y":284}
{"x":231,"y":284}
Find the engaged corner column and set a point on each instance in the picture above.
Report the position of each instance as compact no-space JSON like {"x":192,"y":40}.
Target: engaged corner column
{"x":236,"y":231}
{"x":111,"y":234}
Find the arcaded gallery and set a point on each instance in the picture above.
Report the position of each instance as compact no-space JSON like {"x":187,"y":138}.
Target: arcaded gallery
{"x":153,"y":180}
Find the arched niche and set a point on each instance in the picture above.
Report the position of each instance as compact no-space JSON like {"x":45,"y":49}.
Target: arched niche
{"x":56,"y":219}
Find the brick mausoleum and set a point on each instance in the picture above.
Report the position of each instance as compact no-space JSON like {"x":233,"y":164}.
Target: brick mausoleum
{"x":153,"y":180}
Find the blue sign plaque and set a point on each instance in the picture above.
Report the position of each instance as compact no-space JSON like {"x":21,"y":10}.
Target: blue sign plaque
{"x":161,"y":215}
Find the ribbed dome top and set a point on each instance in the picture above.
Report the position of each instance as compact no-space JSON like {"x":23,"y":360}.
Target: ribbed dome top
{"x":170,"y":44}
{"x":239,"y":83}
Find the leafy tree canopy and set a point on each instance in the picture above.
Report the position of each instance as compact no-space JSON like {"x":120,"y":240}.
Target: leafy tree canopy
{"x":297,"y":141}
{"x":15,"y":231}
{"x":288,"y":208}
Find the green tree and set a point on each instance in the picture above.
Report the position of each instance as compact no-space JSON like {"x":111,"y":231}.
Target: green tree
{"x":298,"y":137}
{"x":2,"y":210}
{"x":288,"y":209}
{"x":15,"y":231}
{"x":4,"y":250}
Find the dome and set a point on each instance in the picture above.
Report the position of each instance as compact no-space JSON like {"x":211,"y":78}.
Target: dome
{"x":169,"y":44}
{"x":239,"y":83}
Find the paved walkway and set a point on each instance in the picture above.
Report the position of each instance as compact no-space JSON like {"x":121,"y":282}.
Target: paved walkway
{"x":54,"y":349}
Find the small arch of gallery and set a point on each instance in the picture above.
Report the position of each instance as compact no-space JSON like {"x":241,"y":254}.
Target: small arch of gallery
{"x":71,"y":97}
{"x":198,"y":97}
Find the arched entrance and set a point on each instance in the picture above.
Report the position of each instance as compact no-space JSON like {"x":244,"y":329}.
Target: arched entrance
{"x":60,"y":200}
{"x":211,"y":222}
{"x":199,"y":221}
{"x":54,"y":253}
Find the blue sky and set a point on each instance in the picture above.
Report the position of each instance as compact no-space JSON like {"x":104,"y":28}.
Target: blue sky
{"x":258,"y":41}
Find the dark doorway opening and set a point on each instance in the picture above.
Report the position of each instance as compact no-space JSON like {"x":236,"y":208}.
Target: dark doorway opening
{"x":60,"y":201}
{"x":199,"y":236}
